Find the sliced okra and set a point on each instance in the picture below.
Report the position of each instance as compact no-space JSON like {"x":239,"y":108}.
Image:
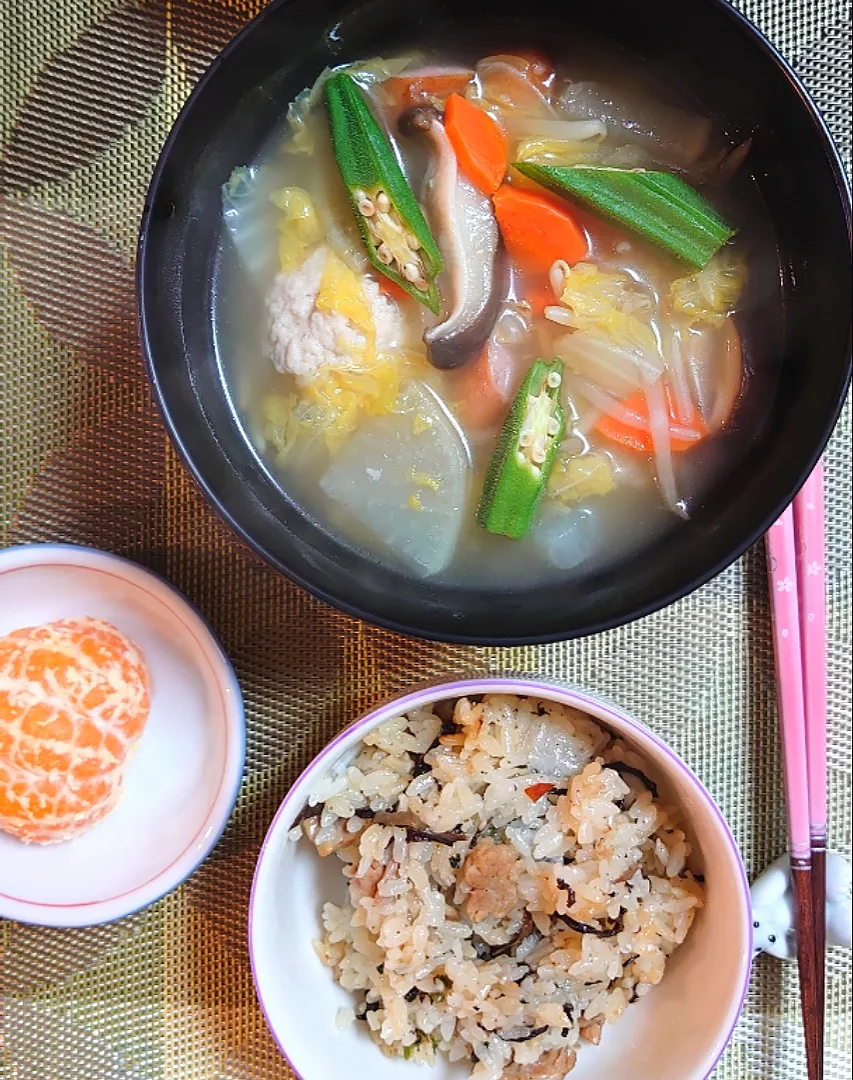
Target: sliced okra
{"x":396,"y":234}
{"x":658,"y":206}
{"x":527,"y":447}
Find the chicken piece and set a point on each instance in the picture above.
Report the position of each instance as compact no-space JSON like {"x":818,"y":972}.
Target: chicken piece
{"x":340,"y":837}
{"x":469,"y":717}
{"x":303,"y":339}
{"x":491,"y":873}
{"x":366,"y":884}
{"x":555,"y":1065}
{"x":591,"y":1031}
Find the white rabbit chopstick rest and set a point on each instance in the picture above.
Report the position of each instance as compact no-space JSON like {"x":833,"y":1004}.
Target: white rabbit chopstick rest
{"x":773,"y":907}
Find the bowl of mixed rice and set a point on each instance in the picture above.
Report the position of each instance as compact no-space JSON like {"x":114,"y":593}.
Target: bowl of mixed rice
{"x":501,"y":879}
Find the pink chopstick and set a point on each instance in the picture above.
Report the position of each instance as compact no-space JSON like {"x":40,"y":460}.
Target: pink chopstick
{"x":800,"y":641}
{"x":784,"y":593}
{"x":811,"y":555}
{"x":809,"y":529}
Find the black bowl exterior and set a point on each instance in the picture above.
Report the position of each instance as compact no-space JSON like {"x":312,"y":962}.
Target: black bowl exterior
{"x":707,"y":47}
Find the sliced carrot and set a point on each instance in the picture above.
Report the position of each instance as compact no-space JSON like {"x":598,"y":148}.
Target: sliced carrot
{"x":536,"y":791}
{"x":537,"y":229}
{"x":392,"y":289}
{"x":641,"y":441}
{"x":484,"y":386}
{"x":480,"y":145}
{"x":418,"y":88}
{"x":629,"y":437}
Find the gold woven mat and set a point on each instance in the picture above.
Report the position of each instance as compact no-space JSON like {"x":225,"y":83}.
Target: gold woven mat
{"x":88,"y":89}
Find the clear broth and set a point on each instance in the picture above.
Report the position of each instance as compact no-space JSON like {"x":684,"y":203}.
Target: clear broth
{"x":603,"y":529}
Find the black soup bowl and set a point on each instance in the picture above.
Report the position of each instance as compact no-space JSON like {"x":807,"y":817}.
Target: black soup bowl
{"x":797,"y":340}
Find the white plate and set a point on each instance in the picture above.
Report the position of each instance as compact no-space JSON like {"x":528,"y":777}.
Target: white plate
{"x":181,"y":783}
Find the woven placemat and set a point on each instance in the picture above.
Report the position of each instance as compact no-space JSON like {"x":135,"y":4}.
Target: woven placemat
{"x":88,"y":90}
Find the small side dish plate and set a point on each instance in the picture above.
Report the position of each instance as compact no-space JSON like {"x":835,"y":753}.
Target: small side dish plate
{"x":182,"y":782}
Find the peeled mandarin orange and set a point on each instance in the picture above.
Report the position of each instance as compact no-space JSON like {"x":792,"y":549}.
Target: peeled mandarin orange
{"x":74,"y":700}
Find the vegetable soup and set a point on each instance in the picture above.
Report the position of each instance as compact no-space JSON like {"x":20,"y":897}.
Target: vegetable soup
{"x":481,"y":318}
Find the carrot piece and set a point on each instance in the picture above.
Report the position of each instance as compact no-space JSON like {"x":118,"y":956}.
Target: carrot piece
{"x":484,"y":386}
{"x":404,"y":91}
{"x":536,"y":791}
{"x":480,"y":145}
{"x":630,"y":438}
{"x":537,"y":229}
{"x":641,"y":441}
{"x":392,"y":289}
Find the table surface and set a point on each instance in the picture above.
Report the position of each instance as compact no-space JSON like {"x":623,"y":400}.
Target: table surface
{"x":88,"y":90}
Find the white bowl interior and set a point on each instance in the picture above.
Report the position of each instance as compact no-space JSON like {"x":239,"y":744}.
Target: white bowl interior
{"x":182,"y":780}
{"x":677,"y":1032}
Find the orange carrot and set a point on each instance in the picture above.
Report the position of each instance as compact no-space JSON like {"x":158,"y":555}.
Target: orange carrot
{"x":404,"y":91}
{"x":536,"y":791}
{"x":484,"y":386}
{"x":630,"y":438}
{"x":537,"y":229}
{"x":480,"y":145}
{"x":641,"y":441}
{"x":392,"y":289}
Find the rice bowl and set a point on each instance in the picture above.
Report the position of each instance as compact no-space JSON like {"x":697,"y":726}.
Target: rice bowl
{"x":513,"y":883}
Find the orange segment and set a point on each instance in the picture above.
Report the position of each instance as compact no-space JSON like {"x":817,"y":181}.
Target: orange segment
{"x":74,"y":700}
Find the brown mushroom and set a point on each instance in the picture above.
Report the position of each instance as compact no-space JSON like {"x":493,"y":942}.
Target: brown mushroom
{"x":467,"y":232}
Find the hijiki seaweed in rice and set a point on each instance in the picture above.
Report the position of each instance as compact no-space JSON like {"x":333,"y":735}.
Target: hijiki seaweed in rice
{"x":510,"y":891}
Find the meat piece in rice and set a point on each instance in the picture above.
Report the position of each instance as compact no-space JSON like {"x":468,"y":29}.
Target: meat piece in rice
{"x":554,"y":1065}
{"x":510,"y":947}
{"x":490,"y":877}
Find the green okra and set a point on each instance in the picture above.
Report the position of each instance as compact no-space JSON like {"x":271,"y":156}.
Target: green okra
{"x":396,"y":234}
{"x":658,"y":206}
{"x":527,"y":447}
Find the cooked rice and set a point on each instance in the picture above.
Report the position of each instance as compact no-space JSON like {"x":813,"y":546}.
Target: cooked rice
{"x":533,"y":918}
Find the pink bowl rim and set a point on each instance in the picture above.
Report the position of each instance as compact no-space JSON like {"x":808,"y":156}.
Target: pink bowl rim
{"x":525,"y":687}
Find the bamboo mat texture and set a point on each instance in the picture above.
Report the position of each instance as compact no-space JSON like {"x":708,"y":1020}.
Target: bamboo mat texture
{"x":88,"y":91}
